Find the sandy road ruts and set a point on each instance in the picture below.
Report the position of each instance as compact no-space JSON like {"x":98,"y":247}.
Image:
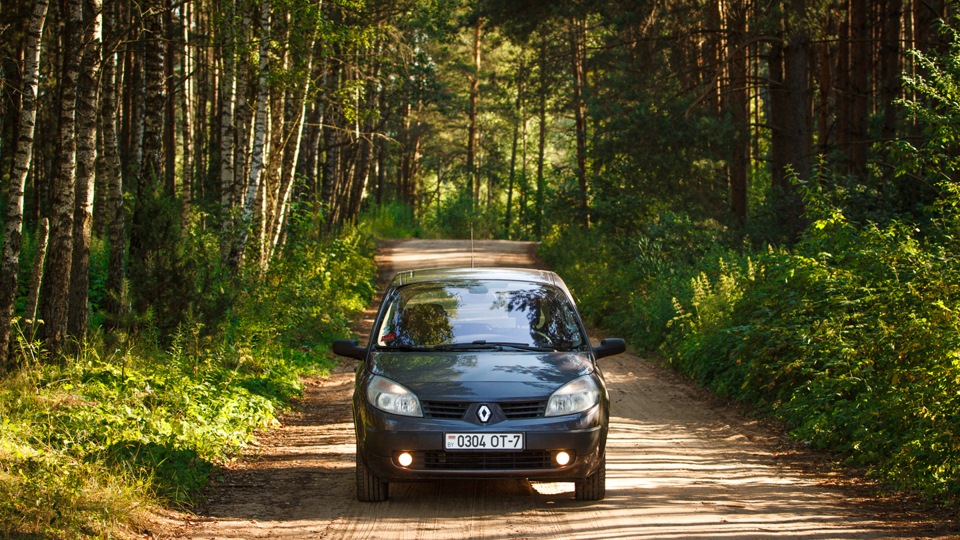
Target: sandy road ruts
{"x":679,"y":466}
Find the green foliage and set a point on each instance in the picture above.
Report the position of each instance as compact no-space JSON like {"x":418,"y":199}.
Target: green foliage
{"x":626,"y":282}
{"x":89,"y":443}
{"x":309,"y":295}
{"x":460,"y":217}
{"x":58,"y":495}
{"x":159,"y":263}
{"x":851,"y":339}
{"x":391,"y":220}
{"x":936,"y":85}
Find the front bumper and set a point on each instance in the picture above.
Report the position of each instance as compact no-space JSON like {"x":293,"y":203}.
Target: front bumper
{"x":382,"y":437}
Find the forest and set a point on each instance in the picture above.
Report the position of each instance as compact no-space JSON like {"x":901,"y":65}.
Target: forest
{"x":762,"y":193}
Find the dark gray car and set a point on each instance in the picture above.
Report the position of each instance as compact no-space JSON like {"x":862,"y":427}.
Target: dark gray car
{"x":479,"y":373}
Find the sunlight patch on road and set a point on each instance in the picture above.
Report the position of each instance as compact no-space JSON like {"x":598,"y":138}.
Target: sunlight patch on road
{"x":552,"y":488}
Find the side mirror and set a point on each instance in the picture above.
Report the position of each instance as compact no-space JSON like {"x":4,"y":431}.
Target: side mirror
{"x":348,"y":348}
{"x":610,"y":347}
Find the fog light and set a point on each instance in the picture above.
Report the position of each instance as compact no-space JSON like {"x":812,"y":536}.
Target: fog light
{"x":405,"y":459}
{"x":562,"y":458}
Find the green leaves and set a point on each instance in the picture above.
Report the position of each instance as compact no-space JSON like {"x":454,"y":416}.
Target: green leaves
{"x":85,"y":443}
{"x":848,"y":343}
{"x":851,"y":339}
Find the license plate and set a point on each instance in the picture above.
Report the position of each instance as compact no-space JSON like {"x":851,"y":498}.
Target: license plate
{"x":483,"y":441}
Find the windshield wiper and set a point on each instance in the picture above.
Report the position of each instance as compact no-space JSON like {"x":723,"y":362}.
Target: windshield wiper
{"x":482,"y":344}
{"x":525,"y":347}
{"x":403,"y":348}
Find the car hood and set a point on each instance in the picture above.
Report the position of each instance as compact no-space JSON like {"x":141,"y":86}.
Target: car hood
{"x":490,"y":375}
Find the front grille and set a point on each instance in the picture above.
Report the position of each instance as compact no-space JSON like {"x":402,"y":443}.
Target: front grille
{"x":524,"y":409}
{"x":518,"y":410}
{"x":485,"y":461}
{"x":441,"y":409}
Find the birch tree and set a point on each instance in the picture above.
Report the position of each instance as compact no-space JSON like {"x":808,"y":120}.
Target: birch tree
{"x":259,"y":138}
{"x":24,"y":152}
{"x":228,"y":96}
{"x":55,"y":291}
{"x":87,"y":110}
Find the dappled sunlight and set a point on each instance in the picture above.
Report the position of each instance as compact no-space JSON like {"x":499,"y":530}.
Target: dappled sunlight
{"x":670,"y":474}
{"x":454,"y":253}
{"x":553,"y":488}
{"x":678,"y":467}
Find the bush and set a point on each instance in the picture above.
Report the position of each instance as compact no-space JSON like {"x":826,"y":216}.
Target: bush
{"x":852,"y":341}
{"x":851,"y":338}
{"x":391,"y":220}
{"x":627,"y":285}
{"x":88,"y":443}
{"x":461,"y":217}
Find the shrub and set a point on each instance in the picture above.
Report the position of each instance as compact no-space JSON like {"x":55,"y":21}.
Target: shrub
{"x":391,"y":220}
{"x":89,"y":442}
{"x":628,"y":284}
{"x":851,"y":340}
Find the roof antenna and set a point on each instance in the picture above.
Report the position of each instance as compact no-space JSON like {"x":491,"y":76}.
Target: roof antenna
{"x":471,"y":246}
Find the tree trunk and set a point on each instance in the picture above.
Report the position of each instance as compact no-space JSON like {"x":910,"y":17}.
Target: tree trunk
{"x":331,"y":140}
{"x":134,"y":111}
{"x":170,"y":102}
{"x":55,"y":294}
{"x":228,"y":96}
{"x":541,"y":136}
{"x":152,"y":170}
{"x":86,"y":159}
{"x":472,"y":136}
{"x":151,"y":232}
{"x":860,"y":68}
{"x":791,"y":121}
{"x":890,"y":67}
{"x":259,"y":137}
{"x":842,"y":82}
{"x":310,"y":167}
{"x":826,"y":88}
{"x":736,"y":104}
{"x":577,"y":37}
{"x":291,"y":153}
{"x":713,"y":46}
{"x":797,"y":118}
{"x":270,"y":189}
{"x":112,"y":170}
{"x":778,"y":157}
{"x":36,"y":279}
{"x":188,"y":99}
{"x":9,"y":273}
{"x":518,"y":120}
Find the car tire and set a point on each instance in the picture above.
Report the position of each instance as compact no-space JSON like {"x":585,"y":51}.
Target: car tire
{"x":593,"y":487}
{"x":369,"y":486}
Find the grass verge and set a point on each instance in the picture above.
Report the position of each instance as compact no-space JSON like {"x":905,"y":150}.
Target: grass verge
{"x":91,"y":443}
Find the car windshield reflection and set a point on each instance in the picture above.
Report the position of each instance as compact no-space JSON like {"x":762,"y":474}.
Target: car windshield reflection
{"x":479,"y":315}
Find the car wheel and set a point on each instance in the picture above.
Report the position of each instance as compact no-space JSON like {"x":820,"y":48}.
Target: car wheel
{"x":369,"y":486}
{"x":593,"y":487}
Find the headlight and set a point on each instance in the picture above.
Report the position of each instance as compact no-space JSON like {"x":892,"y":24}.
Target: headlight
{"x":575,"y":396}
{"x":391,"y":397}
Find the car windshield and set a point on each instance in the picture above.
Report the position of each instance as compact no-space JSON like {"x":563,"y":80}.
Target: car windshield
{"x":485,"y":313}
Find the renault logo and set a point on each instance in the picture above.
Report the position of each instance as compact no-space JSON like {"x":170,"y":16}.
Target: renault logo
{"x":484,"y":413}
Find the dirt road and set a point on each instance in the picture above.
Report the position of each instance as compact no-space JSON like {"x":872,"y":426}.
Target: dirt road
{"x":680,"y":465}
